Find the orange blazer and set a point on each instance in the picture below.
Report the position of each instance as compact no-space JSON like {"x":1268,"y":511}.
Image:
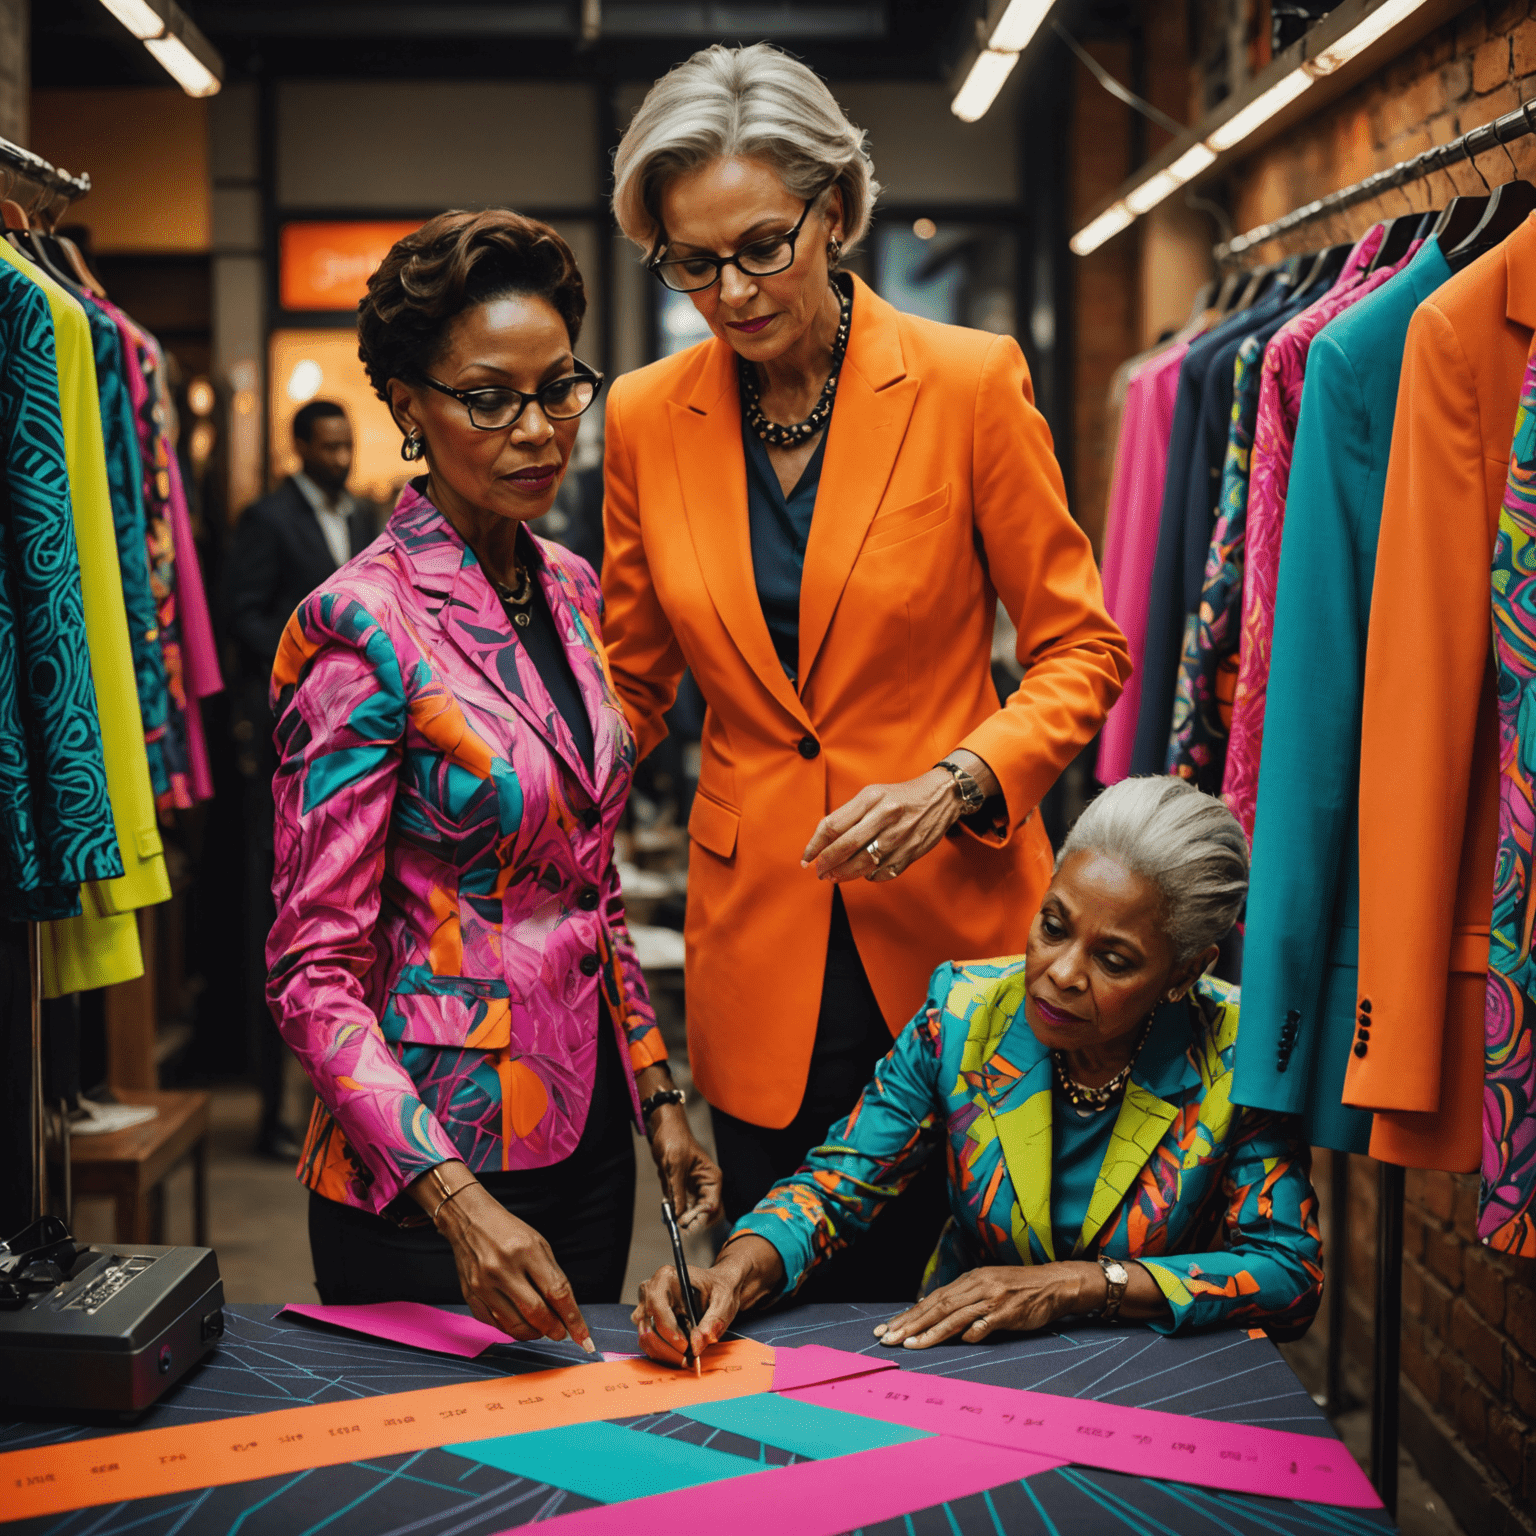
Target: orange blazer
{"x":939,"y":494}
{"x":1429,"y":754}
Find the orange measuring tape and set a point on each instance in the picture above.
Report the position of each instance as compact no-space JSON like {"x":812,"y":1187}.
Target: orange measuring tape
{"x":53,"y":1479}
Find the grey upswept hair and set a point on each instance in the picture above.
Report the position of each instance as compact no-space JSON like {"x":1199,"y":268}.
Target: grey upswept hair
{"x":756,"y":102}
{"x":1188,"y":844}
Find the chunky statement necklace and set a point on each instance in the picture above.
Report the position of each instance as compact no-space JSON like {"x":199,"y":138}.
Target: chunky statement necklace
{"x":518,"y":598}
{"x":1079,"y":1096}
{"x":774,"y":433}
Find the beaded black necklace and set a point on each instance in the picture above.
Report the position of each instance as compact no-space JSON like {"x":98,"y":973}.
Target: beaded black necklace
{"x":774,"y":433}
{"x":1083,"y":1098}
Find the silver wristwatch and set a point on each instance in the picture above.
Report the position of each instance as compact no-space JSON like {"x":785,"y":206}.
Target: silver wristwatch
{"x":1116,"y":1279}
{"x":971,"y":797}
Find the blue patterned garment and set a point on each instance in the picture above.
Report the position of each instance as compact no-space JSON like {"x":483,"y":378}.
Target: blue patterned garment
{"x":120,"y":434}
{"x":56,"y":828}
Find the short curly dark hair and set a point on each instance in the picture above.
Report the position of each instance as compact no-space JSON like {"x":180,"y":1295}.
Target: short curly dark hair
{"x":453,"y":262}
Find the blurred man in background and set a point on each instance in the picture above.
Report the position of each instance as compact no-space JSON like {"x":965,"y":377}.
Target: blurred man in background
{"x":284,"y":546}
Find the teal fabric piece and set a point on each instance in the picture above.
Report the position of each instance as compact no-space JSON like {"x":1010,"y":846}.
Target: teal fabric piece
{"x":807,"y":1429}
{"x":1079,"y":1143}
{"x":1301,"y":941}
{"x":606,"y":1462}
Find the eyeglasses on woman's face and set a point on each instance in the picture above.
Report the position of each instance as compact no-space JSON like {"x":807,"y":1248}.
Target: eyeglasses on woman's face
{"x":496,"y":409}
{"x":762,"y":258}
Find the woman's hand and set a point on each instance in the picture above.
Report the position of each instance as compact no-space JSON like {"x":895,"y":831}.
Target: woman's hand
{"x":746,"y":1271}
{"x":1014,"y":1298}
{"x":507,"y":1272}
{"x":907,"y":820}
{"x":688,"y":1173}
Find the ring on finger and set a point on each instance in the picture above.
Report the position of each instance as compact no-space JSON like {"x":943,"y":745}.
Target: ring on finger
{"x":872,"y":848}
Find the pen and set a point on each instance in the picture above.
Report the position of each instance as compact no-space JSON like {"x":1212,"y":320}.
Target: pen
{"x":691,"y":1299}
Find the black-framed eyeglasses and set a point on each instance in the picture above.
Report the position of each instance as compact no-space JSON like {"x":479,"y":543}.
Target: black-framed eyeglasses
{"x":496,"y":409}
{"x":762,"y":258}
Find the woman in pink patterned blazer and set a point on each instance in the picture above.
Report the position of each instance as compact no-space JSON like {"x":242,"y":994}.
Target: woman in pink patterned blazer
{"x":450,"y":959}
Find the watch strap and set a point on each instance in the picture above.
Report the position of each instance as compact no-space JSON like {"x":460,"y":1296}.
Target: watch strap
{"x":660,"y":1097}
{"x":971,"y":796}
{"x":1115,"y":1281}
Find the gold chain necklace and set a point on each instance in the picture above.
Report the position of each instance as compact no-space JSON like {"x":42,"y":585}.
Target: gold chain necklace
{"x":1079,"y":1095}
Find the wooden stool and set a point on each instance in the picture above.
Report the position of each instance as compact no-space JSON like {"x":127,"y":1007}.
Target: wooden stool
{"x":131,"y":1165}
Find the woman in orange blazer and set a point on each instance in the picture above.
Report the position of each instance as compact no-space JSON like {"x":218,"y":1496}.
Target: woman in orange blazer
{"x":865,"y":809}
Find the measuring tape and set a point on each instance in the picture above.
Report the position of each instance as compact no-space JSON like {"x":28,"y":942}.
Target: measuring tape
{"x":1244,"y":1458}
{"x":53,"y":1479}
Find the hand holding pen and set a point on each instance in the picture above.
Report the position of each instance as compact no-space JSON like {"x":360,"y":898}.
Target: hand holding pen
{"x":693,"y":1308}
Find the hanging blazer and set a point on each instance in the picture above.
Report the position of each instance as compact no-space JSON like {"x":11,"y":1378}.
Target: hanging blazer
{"x":939,"y":494}
{"x":1215,"y":1202}
{"x":1429,"y":751}
{"x":448,"y":911}
{"x":1301,"y":944}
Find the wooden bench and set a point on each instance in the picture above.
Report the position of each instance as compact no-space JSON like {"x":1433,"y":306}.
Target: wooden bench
{"x":130,"y":1166}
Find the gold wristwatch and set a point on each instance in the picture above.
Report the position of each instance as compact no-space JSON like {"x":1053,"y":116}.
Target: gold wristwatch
{"x":1116,"y":1279}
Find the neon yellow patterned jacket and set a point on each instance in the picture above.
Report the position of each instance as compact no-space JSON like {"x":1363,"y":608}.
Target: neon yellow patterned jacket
{"x":1214,"y":1200}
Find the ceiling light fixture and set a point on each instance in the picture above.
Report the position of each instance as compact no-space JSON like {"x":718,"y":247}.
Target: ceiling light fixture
{"x":1360,"y":37}
{"x":1105,"y":227}
{"x":183,"y":66}
{"x":1018,"y":24}
{"x":982,"y":84}
{"x":164,"y":29}
{"x":1247,"y":119}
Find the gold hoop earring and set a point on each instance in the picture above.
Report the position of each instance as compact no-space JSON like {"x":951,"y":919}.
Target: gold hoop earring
{"x":413,"y":447}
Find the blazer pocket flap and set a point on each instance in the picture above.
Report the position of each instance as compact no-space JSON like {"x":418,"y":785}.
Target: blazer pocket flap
{"x":460,"y":1012}
{"x":713,"y":825}
{"x":902,"y":523}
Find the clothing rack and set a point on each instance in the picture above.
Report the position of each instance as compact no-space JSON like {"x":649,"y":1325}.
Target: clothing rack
{"x":16,"y":161}
{"x":1517,"y":124}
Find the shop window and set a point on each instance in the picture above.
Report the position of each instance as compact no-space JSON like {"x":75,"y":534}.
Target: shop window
{"x":954,"y":271}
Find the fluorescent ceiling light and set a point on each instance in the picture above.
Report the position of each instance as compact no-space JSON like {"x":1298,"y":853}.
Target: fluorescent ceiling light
{"x":1149,"y":193}
{"x":1259,"y":111}
{"x":1192,"y":162}
{"x":1108,"y":224}
{"x":183,"y":66}
{"x":1360,"y":37}
{"x":139,"y":16}
{"x":982,"y":84}
{"x":1018,"y":24}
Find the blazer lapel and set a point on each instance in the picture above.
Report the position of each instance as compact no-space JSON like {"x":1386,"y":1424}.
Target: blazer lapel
{"x":472,"y":620}
{"x":1163,"y":1074}
{"x":874,"y":402}
{"x":712,"y":471}
{"x":1011,"y":1072}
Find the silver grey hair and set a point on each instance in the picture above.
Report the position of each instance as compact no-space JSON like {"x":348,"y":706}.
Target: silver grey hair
{"x":755,"y":102}
{"x":1188,"y":844}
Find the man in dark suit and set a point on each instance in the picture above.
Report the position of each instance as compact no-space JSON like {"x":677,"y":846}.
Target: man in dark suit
{"x":283,"y":547}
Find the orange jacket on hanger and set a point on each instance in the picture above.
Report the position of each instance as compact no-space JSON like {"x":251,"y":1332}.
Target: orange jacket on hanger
{"x":939,"y":493}
{"x":1429,"y":757}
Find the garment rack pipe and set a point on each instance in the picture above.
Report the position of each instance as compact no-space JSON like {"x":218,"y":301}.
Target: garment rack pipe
{"x":37,"y":170}
{"x":1517,"y":124}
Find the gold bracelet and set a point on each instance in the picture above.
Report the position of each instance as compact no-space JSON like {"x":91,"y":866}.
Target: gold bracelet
{"x":444,"y":1193}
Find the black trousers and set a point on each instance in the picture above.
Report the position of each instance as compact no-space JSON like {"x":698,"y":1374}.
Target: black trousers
{"x":583,"y":1207}
{"x":886,"y":1264}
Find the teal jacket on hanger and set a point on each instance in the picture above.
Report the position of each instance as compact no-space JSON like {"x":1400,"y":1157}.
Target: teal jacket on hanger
{"x":1301,"y":941}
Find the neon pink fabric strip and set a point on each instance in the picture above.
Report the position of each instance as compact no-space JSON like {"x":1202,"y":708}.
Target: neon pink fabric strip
{"x":1242,"y":1458}
{"x":409,"y":1322}
{"x":814,"y":1498}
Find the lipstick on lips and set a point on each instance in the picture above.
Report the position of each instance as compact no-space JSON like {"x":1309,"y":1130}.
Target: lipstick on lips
{"x":749,"y":327}
{"x":536,"y":477}
{"x":1055,"y":1015}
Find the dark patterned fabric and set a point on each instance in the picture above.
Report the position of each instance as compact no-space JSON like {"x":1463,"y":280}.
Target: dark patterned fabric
{"x":125,"y":477}
{"x":56,"y":826}
{"x":169,"y":739}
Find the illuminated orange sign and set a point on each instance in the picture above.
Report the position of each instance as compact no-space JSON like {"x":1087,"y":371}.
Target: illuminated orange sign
{"x":327,"y":266}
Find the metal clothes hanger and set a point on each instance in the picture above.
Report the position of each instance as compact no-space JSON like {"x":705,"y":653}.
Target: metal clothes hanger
{"x":1509,"y":205}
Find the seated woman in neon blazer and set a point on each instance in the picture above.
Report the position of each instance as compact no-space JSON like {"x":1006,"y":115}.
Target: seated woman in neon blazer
{"x":1081,"y":1094}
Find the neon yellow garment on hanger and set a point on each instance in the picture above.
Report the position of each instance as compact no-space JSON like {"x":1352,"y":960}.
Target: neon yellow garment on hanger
{"x":101,"y":946}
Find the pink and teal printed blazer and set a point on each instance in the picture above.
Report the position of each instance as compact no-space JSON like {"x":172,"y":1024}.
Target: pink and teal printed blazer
{"x":448,"y":910}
